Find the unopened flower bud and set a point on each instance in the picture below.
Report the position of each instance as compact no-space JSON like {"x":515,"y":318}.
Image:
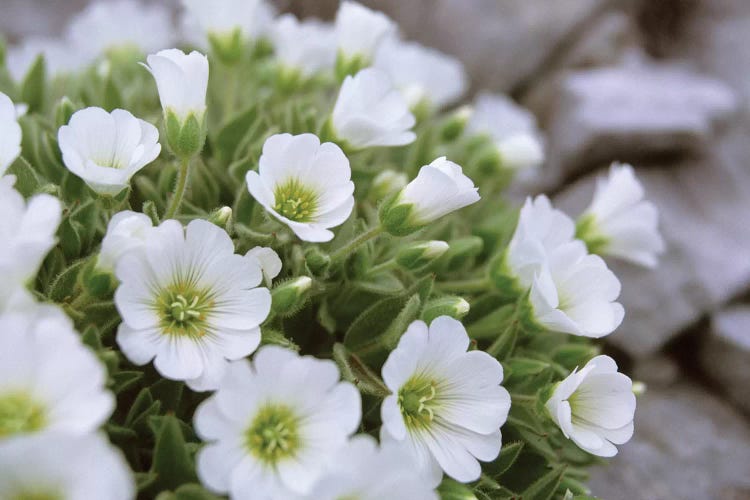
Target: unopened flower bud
{"x":418,"y":255}
{"x":387,"y":182}
{"x":222,"y":217}
{"x":456,"y":123}
{"x":317,"y":261}
{"x":289,"y":296}
{"x":63,"y":111}
{"x":455,"y":307}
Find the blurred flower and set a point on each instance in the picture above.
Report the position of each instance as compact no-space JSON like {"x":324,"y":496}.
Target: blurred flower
{"x":447,"y":404}
{"x":27,"y":232}
{"x":190,"y":303}
{"x":619,"y":222}
{"x":512,"y":129}
{"x":59,"y":57}
{"x":387,"y":182}
{"x":126,"y":231}
{"x":182,"y":80}
{"x":595,"y":407}
{"x":418,"y":254}
{"x":52,"y":466}
{"x":359,"y":32}
{"x":121,"y":24}
{"x":365,"y":471}
{"x":10,"y":133}
{"x":422,"y":73}
{"x":371,"y":112}
{"x":274,"y":426}
{"x":306,"y":46}
{"x":304,"y":184}
{"x":224,"y":20}
{"x":439,"y":189}
{"x":574,"y":292}
{"x":107,"y":149}
{"x":270,"y":263}
{"x":49,"y":381}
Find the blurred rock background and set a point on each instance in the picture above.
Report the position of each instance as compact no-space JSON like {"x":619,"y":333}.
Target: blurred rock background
{"x":663,"y":84}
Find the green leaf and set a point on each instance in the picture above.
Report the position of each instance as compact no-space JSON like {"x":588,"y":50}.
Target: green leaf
{"x":525,"y":367}
{"x":112,"y":95}
{"x":70,"y":238}
{"x":358,"y":373}
{"x":193,"y":492}
{"x":544,"y":487}
{"x":398,"y":326}
{"x":91,"y":338}
{"x":64,"y":284}
{"x":233,"y":132}
{"x":269,"y":336}
{"x":171,"y":462}
{"x":453,"y":490}
{"x":382,"y":284}
{"x":28,"y":181}
{"x":144,"y":480}
{"x":372,"y":322}
{"x":141,"y":404}
{"x":508,"y":455}
{"x":123,"y":380}
{"x":32,"y":87}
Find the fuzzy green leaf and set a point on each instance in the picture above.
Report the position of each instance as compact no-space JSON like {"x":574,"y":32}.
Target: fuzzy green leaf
{"x":172,"y":463}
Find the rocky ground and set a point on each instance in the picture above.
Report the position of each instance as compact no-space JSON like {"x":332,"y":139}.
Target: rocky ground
{"x":662,"y":84}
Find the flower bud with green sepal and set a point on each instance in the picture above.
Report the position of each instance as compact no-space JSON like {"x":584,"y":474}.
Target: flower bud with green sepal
{"x":453,"y":306}
{"x":418,"y":255}
{"x":185,"y":137}
{"x":290,"y":296}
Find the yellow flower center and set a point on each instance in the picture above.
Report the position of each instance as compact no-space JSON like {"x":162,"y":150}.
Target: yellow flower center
{"x":417,"y":401}
{"x":273,"y":434}
{"x":183,"y":310}
{"x":295,"y":201}
{"x":20,"y":414}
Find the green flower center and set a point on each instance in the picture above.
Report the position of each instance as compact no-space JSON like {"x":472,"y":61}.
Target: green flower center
{"x":183,"y":310}
{"x":273,"y":434}
{"x":20,"y":414}
{"x":295,"y":201}
{"x":417,"y":401}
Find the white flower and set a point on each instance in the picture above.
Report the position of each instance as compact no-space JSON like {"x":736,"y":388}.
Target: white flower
{"x":107,"y":149}
{"x":59,"y":57}
{"x":595,"y":406}
{"x":10,"y":133}
{"x":188,"y":302}
{"x":422,"y":73}
{"x":51,"y":466}
{"x":365,"y":471}
{"x":307,"y":46}
{"x":371,"y":112}
{"x":512,"y":129}
{"x":540,"y":230}
{"x":574,"y":292}
{"x":27,"y":232}
{"x":222,"y":18}
{"x":619,"y":222}
{"x":274,"y":426}
{"x":304,"y":184}
{"x":270,"y":263}
{"x":126,"y":231}
{"x":49,"y":381}
{"x":447,"y":405}
{"x":121,"y":24}
{"x":359,"y":31}
{"x":182,"y":80}
{"x":439,"y":189}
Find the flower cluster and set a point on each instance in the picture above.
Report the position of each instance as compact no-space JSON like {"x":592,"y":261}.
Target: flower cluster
{"x":276,"y":263}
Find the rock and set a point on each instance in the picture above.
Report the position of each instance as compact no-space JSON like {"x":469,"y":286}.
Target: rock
{"x":725,"y":355}
{"x":633,"y":112}
{"x":703,"y":207}
{"x":687,"y":445}
{"x":657,"y":371}
{"x":503,"y":43}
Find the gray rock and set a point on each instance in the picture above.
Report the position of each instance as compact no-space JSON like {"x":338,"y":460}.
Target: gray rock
{"x":704,"y":207}
{"x":633,"y":112}
{"x":725,"y":355}
{"x":687,"y":445}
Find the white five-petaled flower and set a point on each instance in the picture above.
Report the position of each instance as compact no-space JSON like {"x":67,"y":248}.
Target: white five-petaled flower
{"x":224,"y":19}
{"x":49,"y":381}
{"x":370,"y":111}
{"x":359,"y":31}
{"x":270,"y":263}
{"x":107,"y":149}
{"x":275,"y":425}
{"x":104,"y":26}
{"x":306,"y":46}
{"x":182,"y":81}
{"x":574,"y":292}
{"x":447,"y":404}
{"x":512,"y":129}
{"x":363,"y":470}
{"x":422,"y":73}
{"x":190,"y":303}
{"x":57,"y":466}
{"x":439,"y":189}
{"x":10,"y":133}
{"x":27,"y":231}
{"x":126,"y":231}
{"x":594,"y":406}
{"x":619,"y":222}
{"x":304,"y":184}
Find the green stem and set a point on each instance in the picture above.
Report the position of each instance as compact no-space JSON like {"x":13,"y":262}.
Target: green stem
{"x":179,"y":192}
{"x":469,"y":286}
{"x":360,"y":240}
{"x":383,"y":266}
